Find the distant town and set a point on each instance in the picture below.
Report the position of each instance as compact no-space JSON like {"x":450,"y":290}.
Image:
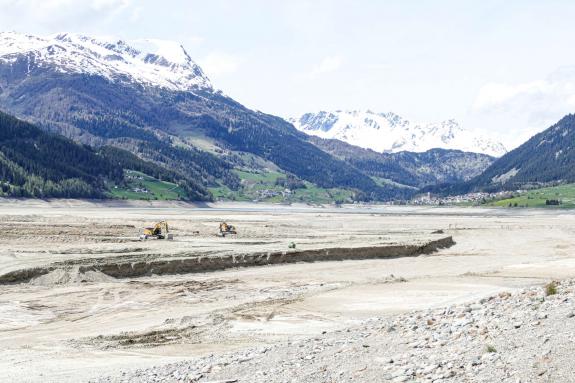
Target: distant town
{"x":471,"y":198}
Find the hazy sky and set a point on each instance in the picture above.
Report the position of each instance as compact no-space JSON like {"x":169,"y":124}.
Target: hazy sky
{"x":507,"y":67}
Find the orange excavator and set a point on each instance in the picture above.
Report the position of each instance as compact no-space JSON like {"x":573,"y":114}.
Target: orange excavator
{"x":226,"y":229}
{"x":159,"y":231}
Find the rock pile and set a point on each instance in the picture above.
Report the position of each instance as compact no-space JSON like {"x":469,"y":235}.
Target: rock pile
{"x":525,"y":336}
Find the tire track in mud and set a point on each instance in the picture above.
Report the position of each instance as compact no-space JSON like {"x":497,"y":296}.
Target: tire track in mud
{"x":215,"y":327}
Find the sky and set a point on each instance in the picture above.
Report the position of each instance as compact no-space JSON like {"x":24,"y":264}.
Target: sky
{"x":504,"y":67}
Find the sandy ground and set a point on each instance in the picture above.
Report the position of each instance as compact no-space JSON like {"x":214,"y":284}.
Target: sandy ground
{"x":65,"y":327}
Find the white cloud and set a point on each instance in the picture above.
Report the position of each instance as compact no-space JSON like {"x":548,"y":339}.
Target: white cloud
{"x":65,"y":13}
{"x":217,"y":64}
{"x":103,"y":4}
{"x":194,"y":40}
{"x":68,"y":6}
{"x":517,"y":111}
{"x":327,"y":65}
{"x":135,"y":14}
{"x":493,"y":95}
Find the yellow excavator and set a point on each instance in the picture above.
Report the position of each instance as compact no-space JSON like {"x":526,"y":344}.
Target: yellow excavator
{"x":159,"y":231}
{"x":227,"y":229}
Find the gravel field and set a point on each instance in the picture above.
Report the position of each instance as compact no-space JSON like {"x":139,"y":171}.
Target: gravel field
{"x":421,"y":318}
{"x":526,"y":336}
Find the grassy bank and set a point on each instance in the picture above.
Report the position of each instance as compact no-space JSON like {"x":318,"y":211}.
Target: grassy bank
{"x":263,"y":186}
{"x":140,"y":186}
{"x":564,"y":195}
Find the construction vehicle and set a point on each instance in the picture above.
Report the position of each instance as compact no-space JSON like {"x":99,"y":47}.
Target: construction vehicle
{"x":159,"y":231}
{"x":226,"y":229}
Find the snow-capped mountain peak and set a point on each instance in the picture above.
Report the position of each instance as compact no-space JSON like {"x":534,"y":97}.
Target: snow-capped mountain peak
{"x":149,"y":62}
{"x":389,"y":132}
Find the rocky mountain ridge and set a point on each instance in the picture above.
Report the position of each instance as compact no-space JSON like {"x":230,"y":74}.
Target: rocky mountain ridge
{"x":145,"y":62}
{"x":391,"y":133}
{"x":155,"y":103}
{"x":149,"y":97}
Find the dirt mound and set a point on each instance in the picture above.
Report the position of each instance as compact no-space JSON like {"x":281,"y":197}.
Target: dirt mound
{"x":69,"y":276}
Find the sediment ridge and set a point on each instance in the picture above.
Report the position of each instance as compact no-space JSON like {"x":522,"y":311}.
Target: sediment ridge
{"x":130,"y":269}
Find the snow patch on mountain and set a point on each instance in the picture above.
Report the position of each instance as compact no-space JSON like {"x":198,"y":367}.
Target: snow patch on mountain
{"x":149,"y":62}
{"x":390,"y":133}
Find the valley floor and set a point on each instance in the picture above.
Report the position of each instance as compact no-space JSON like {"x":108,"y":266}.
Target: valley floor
{"x":350,"y":320}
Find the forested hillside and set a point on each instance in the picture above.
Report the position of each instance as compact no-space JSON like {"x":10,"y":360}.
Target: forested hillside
{"x":548,"y":157}
{"x":34,"y":163}
{"x":408,"y":168}
{"x":192,"y":184}
{"x":38,"y":164}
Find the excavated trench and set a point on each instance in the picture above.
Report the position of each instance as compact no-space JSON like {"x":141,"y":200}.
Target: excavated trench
{"x":122,"y":268}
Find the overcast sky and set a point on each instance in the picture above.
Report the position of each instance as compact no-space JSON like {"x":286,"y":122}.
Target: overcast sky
{"x":507,"y":67}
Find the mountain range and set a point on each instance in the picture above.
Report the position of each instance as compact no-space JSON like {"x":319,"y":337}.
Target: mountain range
{"x":391,"y":133}
{"x":146,"y":62}
{"x":410,"y":169}
{"x":149,"y":98}
{"x":79,"y":86}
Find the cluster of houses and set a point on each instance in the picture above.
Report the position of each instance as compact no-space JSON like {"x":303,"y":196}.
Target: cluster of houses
{"x":269,"y":193}
{"x":131,"y":175}
{"x":140,"y":190}
{"x":134,"y":177}
{"x":478,"y":197}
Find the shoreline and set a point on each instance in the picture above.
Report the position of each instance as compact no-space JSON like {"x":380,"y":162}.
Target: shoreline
{"x":15,"y":205}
